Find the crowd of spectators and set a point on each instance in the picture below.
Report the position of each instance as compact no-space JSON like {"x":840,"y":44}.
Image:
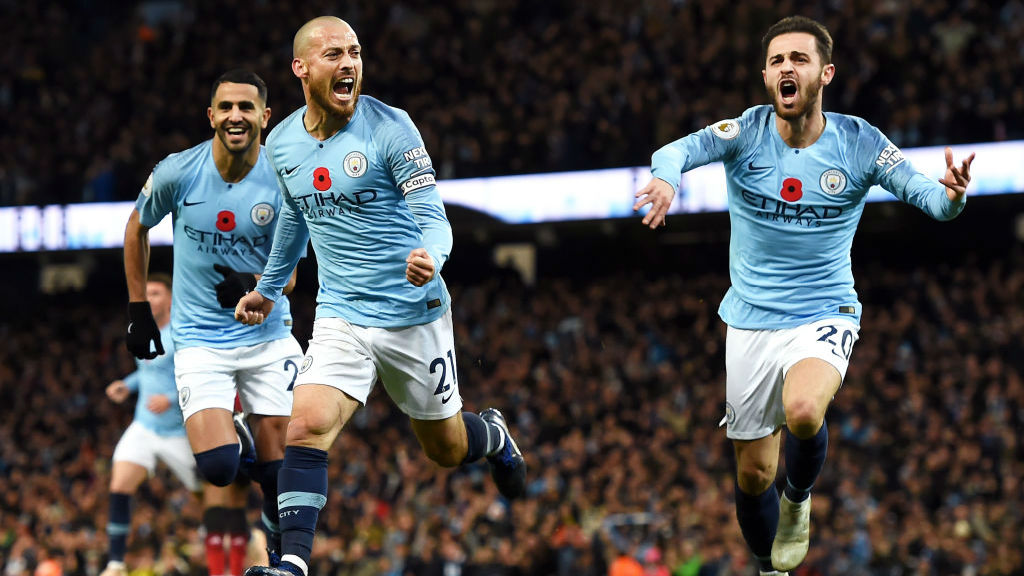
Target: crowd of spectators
{"x":92,"y":96}
{"x":614,"y":386}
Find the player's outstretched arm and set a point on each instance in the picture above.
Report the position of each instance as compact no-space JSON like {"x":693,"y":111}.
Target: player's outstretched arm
{"x":956,"y":179}
{"x":659,"y":195}
{"x":253,"y":308}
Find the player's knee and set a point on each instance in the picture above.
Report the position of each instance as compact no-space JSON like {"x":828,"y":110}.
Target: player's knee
{"x":309,"y":425}
{"x":803,"y":418}
{"x":219,"y":466}
{"x":754,"y":478}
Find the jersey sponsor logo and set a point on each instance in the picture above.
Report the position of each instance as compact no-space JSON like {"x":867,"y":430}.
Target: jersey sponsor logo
{"x":355,"y":164}
{"x":726,"y":129}
{"x":832,"y":181}
{"x":323,"y":204}
{"x":147,"y":188}
{"x":891,"y":157}
{"x":417,"y":183}
{"x":779,"y":210}
{"x":419,"y":156}
{"x":218,"y":243}
{"x":262,"y":214}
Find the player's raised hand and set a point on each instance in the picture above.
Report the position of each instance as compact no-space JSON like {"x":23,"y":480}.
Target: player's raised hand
{"x":956,"y":179}
{"x":419,"y":267}
{"x":659,"y":195}
{"x":253,"y":309}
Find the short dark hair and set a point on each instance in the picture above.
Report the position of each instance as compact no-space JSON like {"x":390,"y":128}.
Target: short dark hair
{"x":800,"y":24}
{"x":160,"y":277}
{"x":241,"y":76}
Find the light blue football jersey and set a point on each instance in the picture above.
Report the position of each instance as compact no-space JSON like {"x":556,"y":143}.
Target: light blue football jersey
{"x":153,"y":377}
{"x":215,"y":222}
{"x":794,"y":211}
{"x":366,"y":197}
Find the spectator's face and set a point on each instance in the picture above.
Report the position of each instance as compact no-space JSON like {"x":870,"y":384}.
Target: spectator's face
{"x":238,"y":116}
{"x":332,"y":68}
{"x":794,"y":74}
{"x":159,"y":297}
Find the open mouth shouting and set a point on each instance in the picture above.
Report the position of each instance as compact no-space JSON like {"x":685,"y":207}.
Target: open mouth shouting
{"x":344,"y":89}
{"x":787,"y":91}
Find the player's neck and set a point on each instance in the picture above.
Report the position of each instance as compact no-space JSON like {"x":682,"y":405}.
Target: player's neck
{"x":322,"y":125}
{"x":234,"y":167}
{"x":802,"y":131}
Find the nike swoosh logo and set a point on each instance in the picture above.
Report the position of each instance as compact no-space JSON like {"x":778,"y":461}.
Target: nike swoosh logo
{"x":753,"y":168}
{"x":187,"y":203}
{"x":288,"y":171}
{"x":445,"y":400}
{"x":289,"y":499}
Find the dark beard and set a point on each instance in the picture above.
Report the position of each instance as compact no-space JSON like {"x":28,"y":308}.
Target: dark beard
{"x":325,"y":103}
{"x":807,"y":105}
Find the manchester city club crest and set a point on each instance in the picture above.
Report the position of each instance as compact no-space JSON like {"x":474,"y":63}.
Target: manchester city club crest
{"x":262,"y":214}
{"x":306,"y":363}
{"x":832,"y":181}
{"x":355,"y":164}
{"x":730,"y":414}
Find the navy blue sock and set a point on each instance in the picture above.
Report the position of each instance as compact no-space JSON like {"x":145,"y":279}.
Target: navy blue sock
{"x":219,"y":466}
{"x":758,"y":517}
{"x":302,"y":488}
{"x":266,"y":474}
{"x":804,"y":460}
{"x":119,"y":523}
{"x":483,"y":438}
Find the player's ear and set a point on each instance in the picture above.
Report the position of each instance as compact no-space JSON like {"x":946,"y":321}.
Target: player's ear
{"x":299,"y":68}
{"x":209,"y":114}
{"x":828,"y":72}
{"x":266,"y":117}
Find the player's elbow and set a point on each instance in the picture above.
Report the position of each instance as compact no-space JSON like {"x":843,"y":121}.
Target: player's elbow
{"x":134,"y":230}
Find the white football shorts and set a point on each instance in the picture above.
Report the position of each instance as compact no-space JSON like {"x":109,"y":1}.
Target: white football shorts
{"x":262,"y":375}
{"x":756,"y":364}
{"x":416,"y":364}
{"x":140,"y":445}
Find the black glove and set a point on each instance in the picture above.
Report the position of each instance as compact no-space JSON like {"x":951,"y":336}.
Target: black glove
{"x":142,"y":330}
{"x":234,"y":286}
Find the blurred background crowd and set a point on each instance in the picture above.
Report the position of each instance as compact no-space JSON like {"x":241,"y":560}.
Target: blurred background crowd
{"x":617,"y":400}
{"x":103,"y":90}
{"x":611,"y":374}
